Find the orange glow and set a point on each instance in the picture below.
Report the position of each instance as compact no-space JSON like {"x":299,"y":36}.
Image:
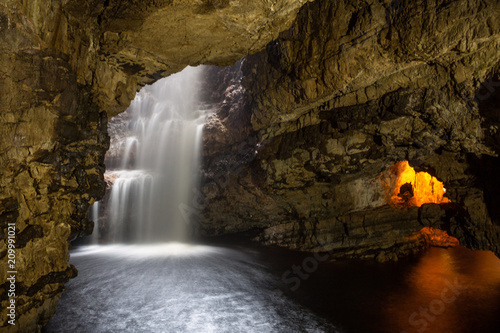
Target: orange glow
{"x":435,"y":237}
{"x":407,"y":188}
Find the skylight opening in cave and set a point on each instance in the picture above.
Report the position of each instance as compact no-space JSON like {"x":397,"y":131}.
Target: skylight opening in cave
{"x":407,"y":188}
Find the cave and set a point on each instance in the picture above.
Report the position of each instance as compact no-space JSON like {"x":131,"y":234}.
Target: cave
{"x":406,"y":188}
{"x":337,"y":170}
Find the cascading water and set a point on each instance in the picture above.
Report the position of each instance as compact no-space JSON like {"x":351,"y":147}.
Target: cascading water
{"x":159,"y":162}
{"x":94,"y":216}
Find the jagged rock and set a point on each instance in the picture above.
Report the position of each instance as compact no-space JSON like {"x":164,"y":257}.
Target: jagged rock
{"x":347,"y":91}
{"x":435,"y":237}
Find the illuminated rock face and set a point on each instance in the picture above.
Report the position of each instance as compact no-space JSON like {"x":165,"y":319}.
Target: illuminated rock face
{"x":406,"y":188}
{"x":435,"y":237}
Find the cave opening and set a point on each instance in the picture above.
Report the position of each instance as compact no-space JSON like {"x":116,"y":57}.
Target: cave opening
{"x":404,"y":187}
{"x":152,"y":166}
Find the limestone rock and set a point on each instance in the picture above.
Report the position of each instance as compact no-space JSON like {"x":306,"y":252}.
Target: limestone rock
{"x":349,"y":89}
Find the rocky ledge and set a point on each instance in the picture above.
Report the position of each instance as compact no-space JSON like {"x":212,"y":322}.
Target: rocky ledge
{"x":334,"y":102}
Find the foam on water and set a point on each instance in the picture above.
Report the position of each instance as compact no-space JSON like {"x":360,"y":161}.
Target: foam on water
{"x":178,"y":288}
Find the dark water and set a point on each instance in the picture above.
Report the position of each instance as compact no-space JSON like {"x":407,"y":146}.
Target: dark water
{"x":229,"y":288}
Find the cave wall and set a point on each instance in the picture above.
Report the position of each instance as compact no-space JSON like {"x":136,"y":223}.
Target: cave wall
{"x":66,"y":66}
{"x":332,"y":103}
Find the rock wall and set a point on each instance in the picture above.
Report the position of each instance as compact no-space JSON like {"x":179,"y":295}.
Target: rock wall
{"x":66,"y":66}
{"x":332,"y":103}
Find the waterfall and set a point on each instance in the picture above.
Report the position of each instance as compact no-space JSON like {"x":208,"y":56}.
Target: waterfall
{"x":159,"y":162}
{"x":94,"y":216}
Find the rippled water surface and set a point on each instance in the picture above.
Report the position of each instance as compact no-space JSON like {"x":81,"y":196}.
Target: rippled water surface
{"x":176,"y":288}
{"x":200,"y":288}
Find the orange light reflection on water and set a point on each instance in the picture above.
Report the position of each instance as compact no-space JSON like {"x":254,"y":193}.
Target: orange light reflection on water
{"x":439,"y":290}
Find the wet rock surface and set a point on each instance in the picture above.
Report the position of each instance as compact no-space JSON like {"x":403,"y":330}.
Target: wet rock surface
{"x":347,"y":91}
